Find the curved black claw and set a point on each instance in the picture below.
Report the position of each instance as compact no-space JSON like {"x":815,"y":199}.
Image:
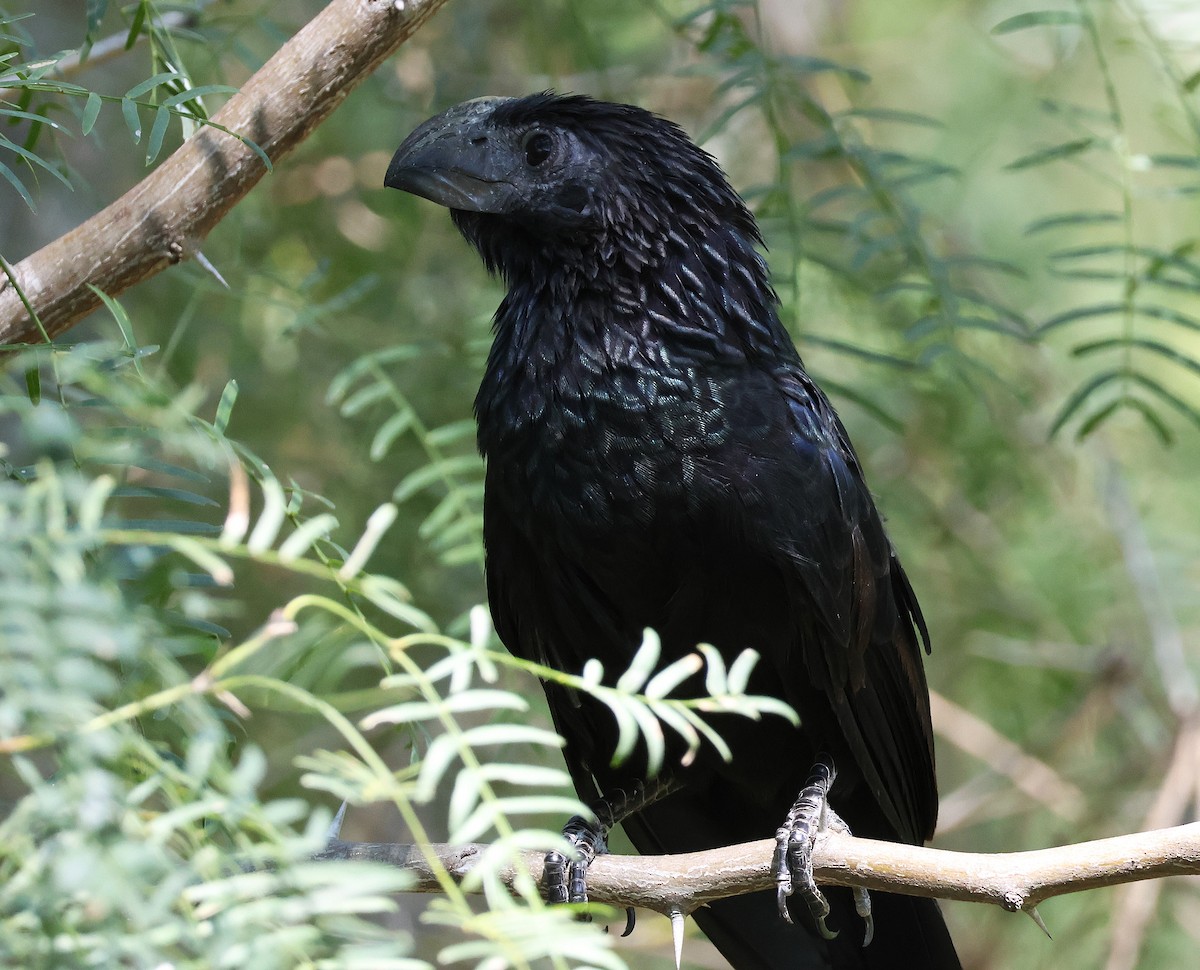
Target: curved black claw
{"x":565,"y":879}
{"x":862,"y":906}
{"x":791,"y":863}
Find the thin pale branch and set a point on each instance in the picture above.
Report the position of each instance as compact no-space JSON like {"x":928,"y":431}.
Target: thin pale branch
{"x":1032,"y":776}
{"x":1165,"y":635}
{"x":1013,"y":880}
{"x":162,"y":219}
{"x":1134,"y":905}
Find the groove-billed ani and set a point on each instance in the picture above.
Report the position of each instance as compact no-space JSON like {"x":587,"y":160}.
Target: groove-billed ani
{"x":658,"y":457}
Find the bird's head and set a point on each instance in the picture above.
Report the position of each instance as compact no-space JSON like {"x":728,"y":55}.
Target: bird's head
{"x":568,"y":179}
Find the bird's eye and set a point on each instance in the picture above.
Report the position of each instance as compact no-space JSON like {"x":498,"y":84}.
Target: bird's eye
{"x":538,"y":147}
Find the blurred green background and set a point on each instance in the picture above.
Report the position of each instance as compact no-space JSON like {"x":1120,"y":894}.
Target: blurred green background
{"x":983,"y":230}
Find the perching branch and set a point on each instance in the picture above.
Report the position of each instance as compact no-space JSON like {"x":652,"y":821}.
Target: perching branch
{"x":1014,"y":880}
{"x":161,"y":220}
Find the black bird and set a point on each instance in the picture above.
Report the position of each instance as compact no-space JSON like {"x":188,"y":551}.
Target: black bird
{"x":658,"y":457}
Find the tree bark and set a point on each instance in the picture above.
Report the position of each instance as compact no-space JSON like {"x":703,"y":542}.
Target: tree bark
{"x":1017,"y":881}
{"x":162,"y":219}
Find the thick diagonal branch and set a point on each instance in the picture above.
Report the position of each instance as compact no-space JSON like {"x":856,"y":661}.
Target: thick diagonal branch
{"x":1014,"y":880}
{"x":162,"y":219}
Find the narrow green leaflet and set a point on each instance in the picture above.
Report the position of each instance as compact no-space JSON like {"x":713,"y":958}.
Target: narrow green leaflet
{"x":225,"y":406}
{"x":135,"y":27}
{"x":162,"y":118}
{"x":11,"y":177}
{"x":1067,"y":149}
{"x":91,"y":111}
{"x":166,"y":77}
{"x":1039,"y":18}
{"x":129,"y":111}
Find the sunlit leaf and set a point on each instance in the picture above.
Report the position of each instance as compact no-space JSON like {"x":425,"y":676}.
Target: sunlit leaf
{"x":671,"y":676}
{"x":642,"y":665}
{"x":270,"y":520}
{"x":307,"y":533}
{"x":225,"y":406}
{"x":388,"y":432}
{"x":421,"y":479}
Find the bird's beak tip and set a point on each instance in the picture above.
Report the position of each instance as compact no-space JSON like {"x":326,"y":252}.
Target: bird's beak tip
{"x":439,"y":161}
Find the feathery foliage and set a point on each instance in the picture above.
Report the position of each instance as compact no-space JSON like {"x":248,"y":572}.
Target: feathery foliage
{"x":1136,"y":337}
{"x":241,"y":557}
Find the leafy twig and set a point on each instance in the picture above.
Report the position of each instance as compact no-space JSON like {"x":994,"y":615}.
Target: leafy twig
{"x":161,"y":220}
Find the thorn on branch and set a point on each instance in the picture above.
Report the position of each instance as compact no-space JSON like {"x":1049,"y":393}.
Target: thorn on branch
{"x":206,"y":264}
{"x":677,"y":924}
{"x":335,"y":827}
{"x":1037,"y":918}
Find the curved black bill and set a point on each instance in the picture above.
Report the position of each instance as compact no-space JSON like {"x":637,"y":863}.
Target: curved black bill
{"x":447,"y":160}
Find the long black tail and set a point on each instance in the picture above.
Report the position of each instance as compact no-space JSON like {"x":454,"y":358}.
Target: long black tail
{"x":910,"y":934}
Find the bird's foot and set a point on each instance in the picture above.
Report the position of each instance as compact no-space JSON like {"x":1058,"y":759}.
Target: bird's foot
{"x":564,"y":878}
{"x":794,"y":840}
